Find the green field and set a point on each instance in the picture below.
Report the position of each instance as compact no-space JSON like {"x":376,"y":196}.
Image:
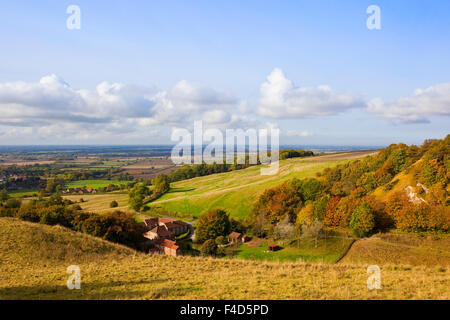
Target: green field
{"x":23,"y":193}
{"x":96,"y":184}
{"x":327,"y":251}
{"x":236,"y":191}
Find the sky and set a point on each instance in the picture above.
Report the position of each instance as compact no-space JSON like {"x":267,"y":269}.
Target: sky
{"x":137,"y":70}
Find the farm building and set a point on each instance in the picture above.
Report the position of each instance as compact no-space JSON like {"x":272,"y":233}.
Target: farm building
{"x":167,"y":247}
{"x":236,"y":237}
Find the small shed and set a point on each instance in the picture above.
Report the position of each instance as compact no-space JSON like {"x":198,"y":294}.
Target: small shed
{"x":274,"y":247}
{"x":236,"y":237}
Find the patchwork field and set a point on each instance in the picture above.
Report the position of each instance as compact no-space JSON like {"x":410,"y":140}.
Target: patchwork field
{"x":35,"y":259}
{"x":236,"y":191}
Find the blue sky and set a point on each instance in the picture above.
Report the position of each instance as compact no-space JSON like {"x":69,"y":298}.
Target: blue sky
{"x":210,"y":59}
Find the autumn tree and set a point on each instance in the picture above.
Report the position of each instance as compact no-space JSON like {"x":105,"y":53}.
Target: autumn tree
{"x":212,"y":224}
{"x":362,"y":221}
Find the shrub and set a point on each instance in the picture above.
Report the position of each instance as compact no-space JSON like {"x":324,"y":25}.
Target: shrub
{"x":3,"y":195}
{"x":209,"y":248}
{"x":113,"y":204}
{"x":362,"y":221}
{"x":221,"y":240}
{"x":12,"y":203}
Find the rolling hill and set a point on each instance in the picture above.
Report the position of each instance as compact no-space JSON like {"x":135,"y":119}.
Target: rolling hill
{"x":236,"y":191}
{"x":34,"y":259}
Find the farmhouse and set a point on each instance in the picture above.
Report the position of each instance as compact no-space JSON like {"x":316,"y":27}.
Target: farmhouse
{"x":161,"y":232}
{"x":176,"y":227}
{"x":236,"y":237}
{"x":167,"y":247}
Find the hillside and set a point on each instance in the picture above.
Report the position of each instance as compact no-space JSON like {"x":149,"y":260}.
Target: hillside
{"x":34,"y":259}
{"x":382,"y":249}
{"x":236,"y":191}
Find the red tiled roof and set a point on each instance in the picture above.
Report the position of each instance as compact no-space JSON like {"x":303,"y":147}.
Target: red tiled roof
{"x":168,"y":244}
{"x":161,"y":231}
{"x":234,"y":235}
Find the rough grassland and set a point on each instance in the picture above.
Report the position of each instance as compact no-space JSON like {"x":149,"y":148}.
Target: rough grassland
{"x":34,"y":259}
{"x":236,"y":191}
{"x":408,"y":249}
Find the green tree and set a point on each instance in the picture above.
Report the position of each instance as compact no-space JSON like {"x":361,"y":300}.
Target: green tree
{"x":3,"y":195}
{"x":137,"y":195}
{"x":209,"y":248}
{"x":161,"y":184}
{"x":212,"y":224}
{"x":362,"y":221}
{"x":113,"y":204}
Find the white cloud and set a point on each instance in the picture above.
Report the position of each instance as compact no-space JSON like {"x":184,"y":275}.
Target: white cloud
{"x":279,"y":99}
{"x":52,"y":108}
{"x":424,"y":103}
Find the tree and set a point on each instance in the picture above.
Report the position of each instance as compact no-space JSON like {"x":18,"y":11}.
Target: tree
{"x":209,"y":248}
{"x":314,"y":230}
{"x":362,"y":221}
{"x":284,"y":229}
{"x":331,"y":218}
{"x":160,"y":184}
{"x":3,"y":195}
{"x":212,"y":224}
{"x":137,"y":195}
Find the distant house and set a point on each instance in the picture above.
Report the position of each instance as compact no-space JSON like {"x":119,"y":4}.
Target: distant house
{"x":167,"y":247}
{"x":236,"y":237}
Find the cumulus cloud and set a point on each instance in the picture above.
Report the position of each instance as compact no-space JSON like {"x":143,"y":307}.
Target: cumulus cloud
{"x":424,"y":103}
{"x":280,"y":99}
{"x":51,"y":106}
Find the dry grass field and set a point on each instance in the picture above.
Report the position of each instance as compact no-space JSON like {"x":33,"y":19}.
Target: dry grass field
{"x":100,"y":203}
{"x":405,"y":249}
{"x":34,"y":259}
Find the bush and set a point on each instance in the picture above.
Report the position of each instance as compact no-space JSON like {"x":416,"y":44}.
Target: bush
{"x":209,"y":248}
{"x":12,"y":203}
{"x":221,"y":240}
{"x":113,"y":204}
{"x":362,"y":221}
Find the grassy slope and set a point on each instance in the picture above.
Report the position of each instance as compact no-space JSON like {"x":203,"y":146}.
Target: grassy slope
{"x":34,"y":259}
{"x":236,"y":191}
{"x":401,"y":249}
